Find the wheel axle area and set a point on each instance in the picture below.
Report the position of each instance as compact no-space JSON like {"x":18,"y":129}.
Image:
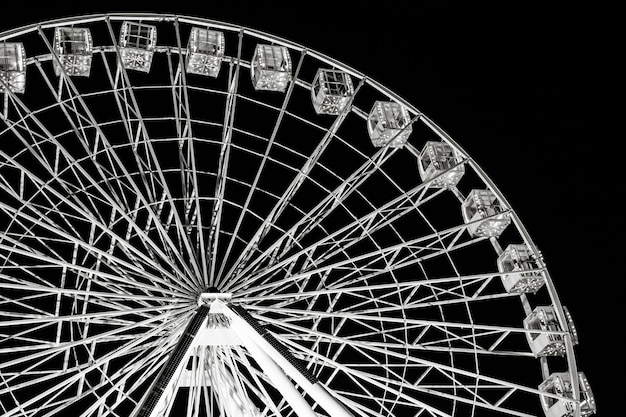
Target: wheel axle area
{"x":207,"y":298}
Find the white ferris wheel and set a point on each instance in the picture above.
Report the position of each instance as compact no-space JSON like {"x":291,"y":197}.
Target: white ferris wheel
{"x":201,"y":219}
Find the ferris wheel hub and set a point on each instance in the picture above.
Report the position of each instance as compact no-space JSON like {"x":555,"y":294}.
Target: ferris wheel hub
{"x":208,"y":298}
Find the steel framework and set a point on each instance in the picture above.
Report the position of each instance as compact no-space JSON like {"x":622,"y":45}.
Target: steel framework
{"x":197,"y":218}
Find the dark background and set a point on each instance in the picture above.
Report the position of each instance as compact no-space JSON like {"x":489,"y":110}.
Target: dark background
{"x":526,"y":89}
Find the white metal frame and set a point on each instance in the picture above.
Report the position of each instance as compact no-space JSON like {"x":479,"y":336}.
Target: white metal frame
{"x":105,"y":247}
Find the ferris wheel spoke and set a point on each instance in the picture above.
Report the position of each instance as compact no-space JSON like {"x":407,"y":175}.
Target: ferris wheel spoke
{"x":39,"y":136}
{"x":19,"y":125}
{"x":223,"y":163}
{"x":86,"y":213}
{"x":484,"y":383}
{"x":481,"y":382}
{"x":333,"y":200}
{"x":370,"y":385}
{"x":180,"y":93}
{"x":299,"y":316}
{"x":187,"y":159}
{"x":368,"y":225}
{"x":116,"y":387}
{"x":381,"y":260}
{"x":288,"y":194}
{"x":105,"y":316}
{"x":253,"y":187}
{"x":164,"y":312}
{"x":353,"y":288}
{"x":130,"y":116}
{"x":76,"y":376}
{"x":339,"y":243}
{"x":130,"y":112}
{"x":324,"y":208}
{"x":397,"y":339}
{"x":168,"y":251}
{"x":33,"y":343}
{"x":361,"y":228}
{"x":373,"y":263}
{"x":51,"y":262}
{"x":80,"y":125}
{"x":115,"y":294}
{"x":367,"y":394}
{"x":432,"y":337}
{"x":140,"y":368}
{"x":114,"y":262}
{"x":409,"y":302}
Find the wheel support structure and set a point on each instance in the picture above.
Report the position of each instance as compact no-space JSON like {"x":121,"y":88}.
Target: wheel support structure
{"x":277,"y":363}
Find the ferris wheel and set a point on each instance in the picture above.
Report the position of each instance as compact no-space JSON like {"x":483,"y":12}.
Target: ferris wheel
{"x":201,"y":219}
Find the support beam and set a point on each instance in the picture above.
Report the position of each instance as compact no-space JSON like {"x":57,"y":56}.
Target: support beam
{"x":163,"y":387}
{"x":264,"y":344}
{"x":277,"y":376}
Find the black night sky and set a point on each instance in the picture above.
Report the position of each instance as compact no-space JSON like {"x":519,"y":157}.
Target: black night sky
{"x":522,"y":88}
